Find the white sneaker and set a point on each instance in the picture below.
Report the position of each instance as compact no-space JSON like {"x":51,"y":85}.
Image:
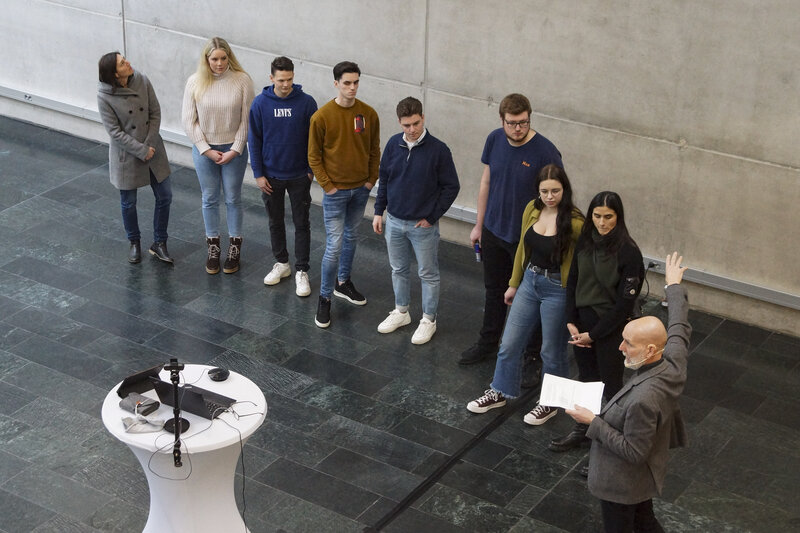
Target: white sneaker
{"x":396,"y":319}
{"x":301,"y":281}
{"x":424,"y":332}
{"x":278,"y":272}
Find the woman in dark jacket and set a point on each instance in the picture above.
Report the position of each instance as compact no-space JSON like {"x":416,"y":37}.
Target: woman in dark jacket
{"x":605,"y":278}
{"x":136,"y":155}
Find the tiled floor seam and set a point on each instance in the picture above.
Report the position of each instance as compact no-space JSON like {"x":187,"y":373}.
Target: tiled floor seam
{"x":451,"y":461}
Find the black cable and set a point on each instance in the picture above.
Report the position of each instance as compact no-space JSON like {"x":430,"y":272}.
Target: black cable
{"x":650,"y":265}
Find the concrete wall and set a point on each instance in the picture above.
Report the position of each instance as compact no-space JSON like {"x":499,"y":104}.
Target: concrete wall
{"x":688,"y":109}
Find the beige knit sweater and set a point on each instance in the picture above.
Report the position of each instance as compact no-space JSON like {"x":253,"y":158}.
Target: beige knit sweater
{"x":220,"y":115}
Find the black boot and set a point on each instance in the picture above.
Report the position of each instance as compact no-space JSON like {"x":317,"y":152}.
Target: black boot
{"x":531,"y":369}
{"x":159,"y":250}
{"x":477,"y":353}
{"x":135,"y":253}
{"x":212,"y":261}
{"x":234,"y":252}
{"x":574,"y":439}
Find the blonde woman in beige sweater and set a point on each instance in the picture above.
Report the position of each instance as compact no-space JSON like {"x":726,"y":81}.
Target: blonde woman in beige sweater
{"x":216,"y":104}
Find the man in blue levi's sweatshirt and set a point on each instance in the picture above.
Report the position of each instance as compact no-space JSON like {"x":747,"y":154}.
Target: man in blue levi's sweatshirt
{"x":418,"y":184}
{"x":278,"y":142}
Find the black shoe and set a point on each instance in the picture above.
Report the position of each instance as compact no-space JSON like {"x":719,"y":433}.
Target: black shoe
{"x":323,"y":316}
{"x":584,"y":471}
{"x":476,"y":353}
{"x":531,"y":370}
{"x":159,"y":250}
{"x":348,"y":291}
{"x":574,"y":439}
{"x":135,"y":253}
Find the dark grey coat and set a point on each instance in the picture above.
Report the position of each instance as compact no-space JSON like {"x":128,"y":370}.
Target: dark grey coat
{"x":132,"y":118}
{"x":634,"y":431}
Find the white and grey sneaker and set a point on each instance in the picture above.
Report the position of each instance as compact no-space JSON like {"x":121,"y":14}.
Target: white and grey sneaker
{"x":540,"y":415}
{"x":424,"y":332}
{"x":278,"y":272}
{"x":301,"y":281}
{"x":396,"y":319}
{"x":489,"y":400}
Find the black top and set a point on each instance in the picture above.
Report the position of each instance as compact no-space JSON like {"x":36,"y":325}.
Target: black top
{"x":542,"y":250}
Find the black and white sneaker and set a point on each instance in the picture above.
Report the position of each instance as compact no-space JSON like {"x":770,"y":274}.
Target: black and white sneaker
{"x":540,"y":415}
{"x":323,"y":317}
{"x":348,"y":291}
{"x":489,"y":400}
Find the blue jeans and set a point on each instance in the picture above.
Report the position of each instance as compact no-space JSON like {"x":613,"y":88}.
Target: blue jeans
{"x":130,"y":219}
{"x":342,"y":212}
{"x":401,"y":238}
{"x":230,"y":177}
{"x":539,"y":302}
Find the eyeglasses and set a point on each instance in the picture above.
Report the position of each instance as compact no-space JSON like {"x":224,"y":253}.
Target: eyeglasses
{"x":518,"y":124}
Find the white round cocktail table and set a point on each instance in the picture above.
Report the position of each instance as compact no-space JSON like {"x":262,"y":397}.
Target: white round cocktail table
{"x":199,"y":496}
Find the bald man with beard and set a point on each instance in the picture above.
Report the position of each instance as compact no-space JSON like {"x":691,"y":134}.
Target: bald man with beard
{"x":634,"y":431}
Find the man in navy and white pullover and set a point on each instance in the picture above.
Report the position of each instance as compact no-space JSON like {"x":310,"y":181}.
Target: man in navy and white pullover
{"x":278,"y":142}
{"x":418,"y":184}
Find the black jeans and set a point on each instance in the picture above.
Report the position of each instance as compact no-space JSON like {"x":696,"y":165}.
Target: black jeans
{"x":299,"y":190}
{"x":637,"y":517}
{"x":498,"y":264}
{"x":602,"y":361}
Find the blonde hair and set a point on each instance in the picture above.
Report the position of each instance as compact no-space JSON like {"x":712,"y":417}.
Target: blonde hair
{"x":203,"y":76}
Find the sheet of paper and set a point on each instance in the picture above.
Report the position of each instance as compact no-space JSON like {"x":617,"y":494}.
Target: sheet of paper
{"x":566,"y":393}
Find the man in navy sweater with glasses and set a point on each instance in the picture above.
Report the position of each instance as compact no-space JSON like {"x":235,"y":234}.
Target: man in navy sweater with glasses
{"x":418,"y":184}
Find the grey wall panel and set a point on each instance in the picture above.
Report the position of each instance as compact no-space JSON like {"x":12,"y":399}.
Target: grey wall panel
{"x":463,"y":124}
{"x":573,"y":59}
{"x":743,"y":221}
{"x":44,"y":54}
{"x":386,"y":39}
{"x":739,"y":87}
{"x":720,"y":74}
{"x":107,"y":7}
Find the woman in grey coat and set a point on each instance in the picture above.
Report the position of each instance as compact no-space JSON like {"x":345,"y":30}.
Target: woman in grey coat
{"x":136,"y":155}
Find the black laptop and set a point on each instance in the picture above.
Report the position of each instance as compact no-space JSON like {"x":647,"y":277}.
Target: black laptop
{"x":139,"y":382}
{"x":200,"y":402}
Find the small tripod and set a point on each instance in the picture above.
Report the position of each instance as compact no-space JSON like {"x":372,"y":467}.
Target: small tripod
{"x":177,"y":425}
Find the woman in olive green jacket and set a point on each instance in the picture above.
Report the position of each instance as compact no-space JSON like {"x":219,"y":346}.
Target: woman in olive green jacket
{"x":537,"y":292}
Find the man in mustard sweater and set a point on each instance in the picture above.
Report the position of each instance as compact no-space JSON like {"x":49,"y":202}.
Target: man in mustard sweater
{"x":344,"y":154}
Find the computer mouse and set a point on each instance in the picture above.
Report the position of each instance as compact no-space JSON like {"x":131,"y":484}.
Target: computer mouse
{"x":219,"y":374}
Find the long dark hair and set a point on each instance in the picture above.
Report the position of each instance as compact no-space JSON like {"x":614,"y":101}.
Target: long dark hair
{"x":107,"y":67}
{"x":566,"y":209}
{"x":615,"y":238}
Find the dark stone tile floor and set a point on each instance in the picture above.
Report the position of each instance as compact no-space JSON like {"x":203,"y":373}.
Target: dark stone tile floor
{"x":359,"y":422}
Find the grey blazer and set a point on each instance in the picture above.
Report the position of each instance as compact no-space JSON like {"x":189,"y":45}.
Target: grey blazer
{"x":132,"y":118}
{"x":634,"y":431}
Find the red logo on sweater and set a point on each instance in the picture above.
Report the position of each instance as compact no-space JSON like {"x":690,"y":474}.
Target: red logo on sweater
{"x":359,"y":124}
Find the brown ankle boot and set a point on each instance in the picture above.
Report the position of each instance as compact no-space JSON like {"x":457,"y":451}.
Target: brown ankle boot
{"x":232,"y":261}
{"x":212,"y":262}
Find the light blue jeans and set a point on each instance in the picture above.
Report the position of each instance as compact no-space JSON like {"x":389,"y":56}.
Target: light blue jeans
{"x":539,"y":302}
{"x":229,"y":178}
{"x":401,"y":238}
{"x":342,"y":212}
